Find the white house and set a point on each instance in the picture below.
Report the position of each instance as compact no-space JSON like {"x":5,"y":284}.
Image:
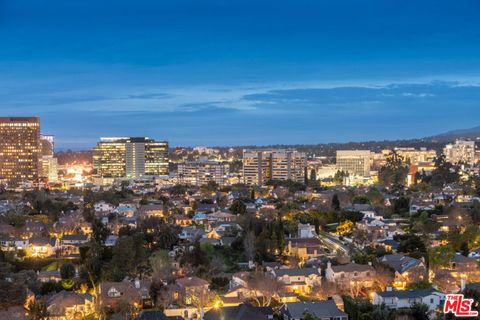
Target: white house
{"x":306,"y":231}
{"x":406,"y":298}
{"x":103,"y":206}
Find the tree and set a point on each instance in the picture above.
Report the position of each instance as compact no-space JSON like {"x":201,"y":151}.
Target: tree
{"x":128,"y":254}
{"x":383,"y":276}
{"x":11,"y":294}
{"x":313,"y":175}
{"x":464,"y":249}
{"x":249,"y":245}
{"x":345,"y":227}
{"x":238,"y":207}
{"x":38,"y":310}
{"x":335,"y":202}
{"x":161,"y":265}
{"x":67,"y":271}
{"x":440,"y":256}
{"x":444,"y":172}
{"x":412,"y":245}
{"x":395,"y":171}
{"x":263,"y":288}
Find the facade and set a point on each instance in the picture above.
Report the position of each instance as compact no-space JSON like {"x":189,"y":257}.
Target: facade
{"x":199,"y":173}
{"x":109,"y":158}
{"x":460,"y":151}
{"x":344,"y":276}
{"x":48,"y":169}
{"x":355,"y":162}
{"x":299,"y":281}
{"x":261,"y":166}
{"x":412,"y":155}
{"x":406,"y":298}
{"x":130,"y":157}
{"x":19,"y":150}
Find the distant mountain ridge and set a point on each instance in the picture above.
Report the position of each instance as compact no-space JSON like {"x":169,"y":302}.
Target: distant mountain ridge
{"x":471,"y":133}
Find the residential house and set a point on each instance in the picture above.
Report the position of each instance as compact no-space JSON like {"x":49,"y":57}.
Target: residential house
{"x":191,"y":233}
{"x":321,"y":309}
{"x":344,"y":276}
{"x":49,"y":276}
{"x":67,"y":305}
{"x":9,"y":243}
{"x":181,"y":220}
{"x":304,"y":248}
{"x":151,"y":210}
{"x":191,"y":287}
{"x":102,"y":207}
{"x":135,"y":293}
{"x":155,"y":315}
{"x":71,"y":243}
{"x":406,"y":298}
{"x":407,"y":270}
{"x":241,"y":312}
{"x":306,"y":231}
{"x":42,"y":247}
{"x":299,"y":281}
{"x":111,"y":240}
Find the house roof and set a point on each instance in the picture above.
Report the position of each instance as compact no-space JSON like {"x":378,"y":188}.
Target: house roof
{"x":191,"y":282}
{"x":155,"y":315}
{"x":473,"y":286}
{"x":458,"y":258}
{"x":64,"y":299}
{"x":43,"y":241}
{"x":75,"y":237}
{"x":319,"y":309}
{"x":408,"y":294}
{"x":352,"y":267}
{"x":126,"y":289}
{"x":400,"y":262}
{"x":304,"y":242}
{"x":392,"y":243}
{"x":296,"y":272}
{"x":241,"y":312}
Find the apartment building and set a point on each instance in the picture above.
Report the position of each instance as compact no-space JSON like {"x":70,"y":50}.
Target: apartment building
{"x":461,"y":151}
{"x":261,"y":166}
{"x":200,"y":173}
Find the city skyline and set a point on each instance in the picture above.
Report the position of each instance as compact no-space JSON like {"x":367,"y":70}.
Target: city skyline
{"x":241,"y":73}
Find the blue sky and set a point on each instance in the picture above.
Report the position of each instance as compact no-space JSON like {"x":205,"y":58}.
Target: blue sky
{"x":241,"y":72}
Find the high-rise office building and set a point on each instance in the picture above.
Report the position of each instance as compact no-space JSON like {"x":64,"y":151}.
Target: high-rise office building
{"x":109,"y":158}
{"x":19,"y":150}
{"x":156,"y":158}
{"x":261,"y":166}
{"x":355,"y":162}
{"x":130,"y":157}
{"x":199,"y":173}
{"x":460,"y":152}
{"x":48,"y":164}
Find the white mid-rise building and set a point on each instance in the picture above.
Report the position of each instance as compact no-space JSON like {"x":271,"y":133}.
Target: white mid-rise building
{"x":200,"y":173}
{"x":461,"y":151}
{"x":354,"y":162}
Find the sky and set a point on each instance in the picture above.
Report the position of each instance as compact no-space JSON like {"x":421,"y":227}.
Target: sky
{"x":229,"y":72}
